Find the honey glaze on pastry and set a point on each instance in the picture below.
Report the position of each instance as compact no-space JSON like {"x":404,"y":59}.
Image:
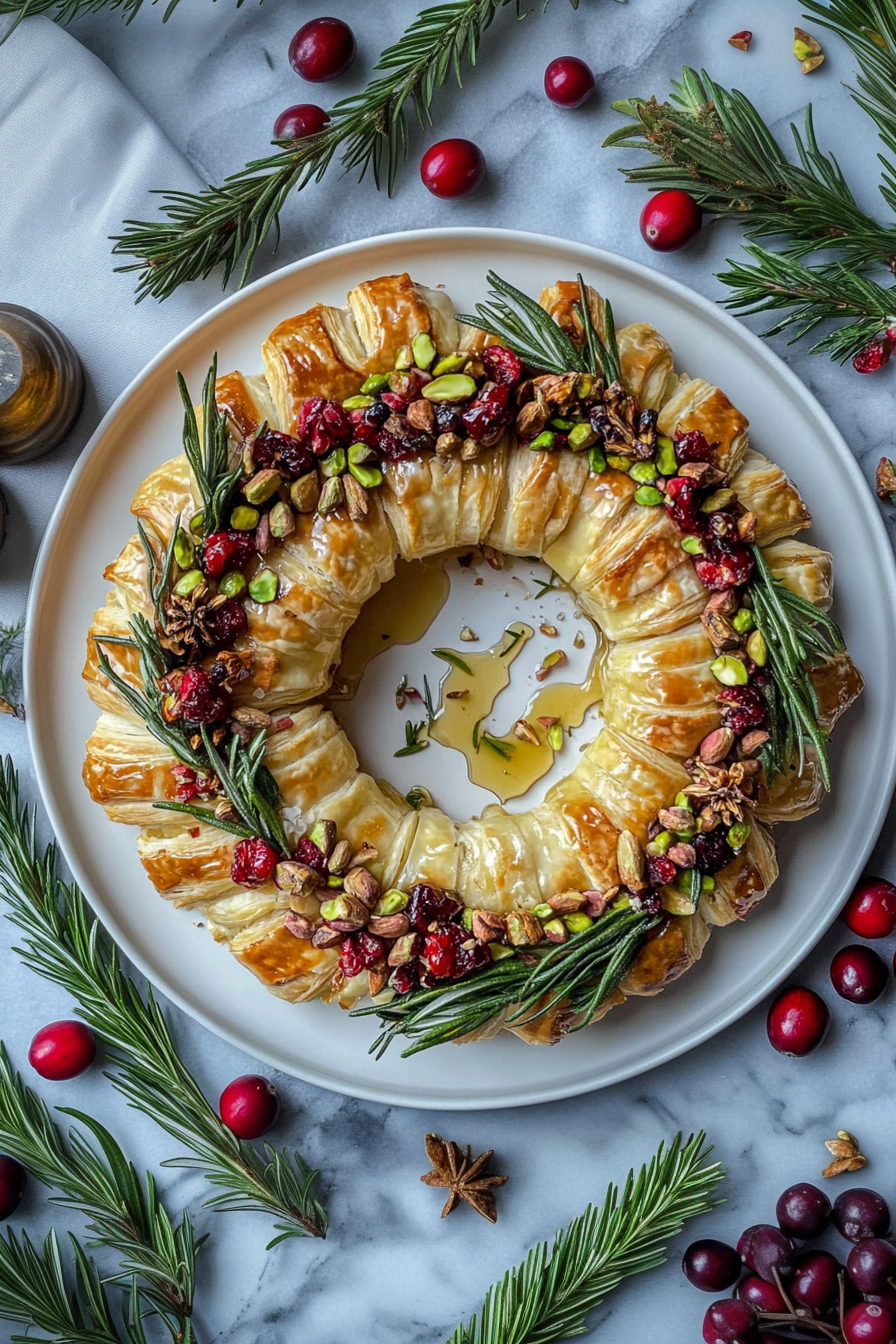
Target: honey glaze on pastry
{"x":392,"y":429}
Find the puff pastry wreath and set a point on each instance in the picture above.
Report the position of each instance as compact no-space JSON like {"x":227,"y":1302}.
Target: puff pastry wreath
{"x":661,"y":830}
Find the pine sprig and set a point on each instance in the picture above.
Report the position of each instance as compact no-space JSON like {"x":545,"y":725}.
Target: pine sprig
{"x":579,"y":974}
{"x":96,"y":1179}
{"x":222,"y":226}
{"x":10,"y":679}
{"x":549,"y":1296}
{"x":65,"y":944}
{"x":65,"y":11}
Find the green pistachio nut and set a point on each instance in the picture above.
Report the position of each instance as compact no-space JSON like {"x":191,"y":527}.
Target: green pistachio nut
{"x":197,"y":523}
{"x":404,"y":360}
{"x":357,"y":403}
{"x":423,"y":349}
{"x":244,"y":518}
{"x":334,"y":881}
{"x":693,"y":546}
{"x":742,"y":621}
{"x":737,"y":835}
{"x":282,"y":520}
{"x":555,"y":737}
{"x":543,"y":912}
{"x":360,"y":452}
{"x":184,"y":549}
{"x":369,"y":477}
{"x":332,"y":496}
{"x":596,"y":460}
{"x":665,"y":458}
{"x":498,"y":951}
{"x":584,"y":386}
{"x":707,"y":883}
{"x":374,"y":383}
{"x":648,"y":496}
{"x":730,"y":671}
{"x":450,"y":364}
{"x":581,"y":436}
{"x":644,"y":473}
{"x":757,"y":648}
{"x":263,"y":587}
{"x":619,"y":463}
{"x":305,"y":492}
{"x":719,"y":499}
{"x":467,"y":919}
{"x":450,"y":387}
{"x":187,"y":582}
{"x":578,"y":921}
{"x":683,"y":800}
{"x":659,"y":844}
{"x":262,"y":485}
{"x":543,"y":442}
{"x":232,"y":583}
{"x":556,"y":931}
{"x":334,"y":463}
{"x":337,"y":908}
{"x":561,"y":423}
{"x":621,"y":903}
{"x":392,"y":902}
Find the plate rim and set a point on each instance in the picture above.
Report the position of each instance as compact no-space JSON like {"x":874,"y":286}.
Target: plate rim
{"x":549,"y":1090}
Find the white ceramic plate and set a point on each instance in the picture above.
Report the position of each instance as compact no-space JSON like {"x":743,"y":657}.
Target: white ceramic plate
{"x":820,"y":858}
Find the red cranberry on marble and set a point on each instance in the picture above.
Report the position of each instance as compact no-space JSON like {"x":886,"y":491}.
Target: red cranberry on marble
{"x":568,"y":81}
{"x":876,"y":354}
{"x":322,"y":49}
{"x":765,"y":1249}
{"x":762,"y":1295}
{"x":452,"y":168}
{"x":858,"y":974}
{"x":670,"y":220}
{"x":254,"y":862}
{"x":869,"y":1323}
{"x":872,"y":1265}
{"x":712,"y":1266}
{"x":62,"y":1050}
{"x":12,"y":1185}
{"x":797,"y":1021}
{"x":803,"y":1211}
{"x":870,"y":911}
{"x":249,"y":1106}
{"x":860,"y":1213}
{"x":302,"y":119}
{"x":730,"y":1321}
{"x":815,"y":1283}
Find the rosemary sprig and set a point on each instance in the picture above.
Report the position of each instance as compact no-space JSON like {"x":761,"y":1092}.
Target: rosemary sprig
{"x":582,"y":973}
{"x":453,"y":660}
{"x":503,"y":749}
{"x":10,"y":682}
{"x":95,"y":1178}
{"x":549,"y":1296}
{"x":800,"y":637}
{"x":66,"y":945}
{"x":413,"y":741}
{"x":64,"y":11}
{"x":215,"y":228}
{"x":207,"y":453}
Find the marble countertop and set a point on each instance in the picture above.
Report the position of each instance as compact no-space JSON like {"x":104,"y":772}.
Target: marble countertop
{"x":214,"y":80}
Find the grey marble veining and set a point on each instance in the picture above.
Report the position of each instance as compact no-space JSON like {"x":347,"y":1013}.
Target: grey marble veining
{"x":390,"y":1271}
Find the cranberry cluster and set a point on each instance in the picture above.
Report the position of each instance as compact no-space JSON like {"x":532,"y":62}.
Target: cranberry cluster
{"x":797,"y":1287}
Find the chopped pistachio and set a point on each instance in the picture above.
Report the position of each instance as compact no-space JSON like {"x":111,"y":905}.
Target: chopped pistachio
{"x":555,"y":736}
{"x":657,"y":847}
{"x":450,"y":387}
{"x":467,"y":635}
{"x":244,"y":518}
{"x":357,"y":500}
{"x":282,"y":520}
{"x":543,"y":911}
{"x":757,"y":648}
{"x":719,"y":499}
{"x":359,"y":453}
{"x":187,"y":582}
{"x":618,"y":462}
{"x":556,"y":931}
{"x":184,"y":549}
{"x":498,"y":951}
{"x":596,"y":460}
{"x":561,"y":423}
{"x":742,"y":621}
{"x":423,"y":349}
{"x":334,"y":463}
{"x":392,"y":902}
{"x":357,"y":403}
{"x":807,"y":50}
{"x":730,"y":671}
{"x":644,"y":473}
{"x":197,"y":523}
{"x":581,"y":436}
{"x":578,"y":922}
{"x":737,"y":834}
{"x":263,"y":587}
{"x":551,"y":660}
{"x":375,"y":382}
{"x":305,"y":492}
{"x":648,"y":496}
{"x":467,"y":919}
{"x":369,"y":477}
{"x":543,"y":442}
{"x":450,"y":364}
{"x":525,"y":732}
{"x":665,"y":458}
{"x":683,"y":800}
{"x":693,"y":546}
{"x":707,"y":883}
{"x":262,"y":485}
{"x":232,"y":583}
{"x":332,"y":495}
{"x":405,"y":358}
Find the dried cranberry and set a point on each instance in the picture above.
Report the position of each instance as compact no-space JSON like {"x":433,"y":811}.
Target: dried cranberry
{"x":200,"y":700}
{"x":411,"y":440}
{"x":713,"y":850}
{"x":391,"y":448}
{"x":692,"y":447}
{"x":230,"y":620}
{"x":447,"y":419}
{"x":359,"y":951}
{"x":404,"y":978}
{"x":307,"y":852}
{"x":273,"y":446}
{"x":502,"y":365}
{"x":367,"y":423}
{"x":253,"y":862}
{"x":395,"y":403}
{"x":723,"y":523}
{"x":227,"y":550}
{"x":323,"y":425}
{"x":660,"y":871}
{"x":726,"y":564}
{"x":428,"y":905}
{"x":187,"y":788}
{"x":295,"y":458}
{"x":685,"y":507}
{"x":487,"y":414}
{"x":876,"y":354}
{"x":648,"y":900}
{"x":450,"y":952}
{"x":749,"y":709}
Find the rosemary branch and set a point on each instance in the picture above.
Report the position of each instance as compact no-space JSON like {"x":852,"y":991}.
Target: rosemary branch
{"x":95,"y":1178}
{"x":215,"y":228}
{"x":10,"y":682}
{"x":65,"y":944}
{"x":64,"y":11}
{"x":549,"y":1296}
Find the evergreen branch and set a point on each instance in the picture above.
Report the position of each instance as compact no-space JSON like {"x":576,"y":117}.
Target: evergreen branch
{"x":65,"y":11}
{"x":549,"y":1296}
{"x":207,"y":453}
{"x":10,"y":680}
{"x":579,"y":975}
{"x":65,"y":944}
{"x":97,"y":1180}
{"x":216,"y":228}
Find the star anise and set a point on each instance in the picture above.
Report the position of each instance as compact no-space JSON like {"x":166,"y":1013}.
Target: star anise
{"x":723,"y":791}
{"x":456,"y":1172}
{"x":626,"y":429}
{"x":190,"y":622}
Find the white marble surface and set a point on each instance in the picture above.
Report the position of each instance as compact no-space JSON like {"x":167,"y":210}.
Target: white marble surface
{"x":214,"y":79}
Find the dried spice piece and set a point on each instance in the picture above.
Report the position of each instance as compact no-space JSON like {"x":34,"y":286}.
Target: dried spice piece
{"x":463,"y":1178}
{"x":807,"y":50}
{"x":845,"y":1152}
{"x":885,"y":480}
{"x":741,"y":40}
{"x":721,"y":791}
{"x":190,"y":622}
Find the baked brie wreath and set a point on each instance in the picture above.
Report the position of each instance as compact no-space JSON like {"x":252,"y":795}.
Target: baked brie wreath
{"x":394,"y":428}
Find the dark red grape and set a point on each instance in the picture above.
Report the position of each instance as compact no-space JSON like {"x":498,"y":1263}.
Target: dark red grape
{"x":815,"y":1283}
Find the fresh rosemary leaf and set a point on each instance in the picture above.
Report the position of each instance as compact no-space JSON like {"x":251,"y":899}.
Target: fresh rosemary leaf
{"x":515,"y":637}
{"x":64,"y":11}
{"x":503,"y":749}
{"x":412,"y":733}
{"x":526,"y":328}
{"x":208,"y":452}
{"x":548,"y":587}
{"x":207,"y":816}
{"x":454,"y":659}
{"x":10,"y":688}
{"x":475,"y":738}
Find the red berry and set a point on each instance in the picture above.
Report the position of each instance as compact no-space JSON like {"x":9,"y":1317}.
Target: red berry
{"x":797,"y":1021}
{"x":249,"y":1106}
{"x":199,"y":699}
{"x":684,"y":509}
{"x":871,"y":909}
{"x":359,"y":952}
{"x":230,"y":620}
{"x":300,"y":120}
{"x":860,"y":1213}
{"x":713,"y":851}
{"x":12,"y":1185}
{"x":670,"y":220}
{"x":501,"y":365}
{"x":452,"y":168}
{"x":730,"y":1321}
{"x":750,"y":708}
{"x":815,"y":1283}
{"x":323,"y":425}
{"x":868,"y":1323}
{"x":876,"y":354}
{"x":488,"y":414}
{"x":322,"y":49}
{"x":405,"y":978}
{"x":765,"y":1250}
{"x":254,"y":862}
{"x":761,"y":1295}
{"x":568,"y":81}
{"x":660,"y":871}
{"x":859,"y":974}
{"x":450,"y":952}
{"x":692,"y":446}
{"x":227,"y":550}
{"x":62,"y":1050}
{"x":711,"y":1265}
{"x":430,"y":905}
{"x":803,"y":1211}
{"x":872,"y":1265}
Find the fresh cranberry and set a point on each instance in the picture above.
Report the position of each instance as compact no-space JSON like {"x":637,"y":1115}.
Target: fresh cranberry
{"x":300,"y":120}
{"x":749,"y":708}
{"x":502,"y":365}
{"x":323,"y":425}
{"x":253,"y":863}
{"x":307,"y":852}
{"x":358,"y":952}
{"x":797,"y":1021}
{"x":12,"y":1185}
{"x":249,"y":1106}
{"x":488,"y":414}
{"x":872,"y":1265}
{"x":322,"y":49}
{"x":660,"y":871}
{"x":868,"y":1323}
{"x":816,"y":1282}
{"x":762,"y":1295}
{"x":450,"y":952}
{"x":713,"y":851}
{"x":568,"y":81}
{"x":710,"y":1265}
{"x":858,"y":974}
{"x":871,"y":909}
{"x":670,"y":220}
{"x":227,"y":550}
{"x":230,"y":621}
{"x":428,"y":905}
{"x":199,"y":699}
{"x":684,"y":510}
{"x":62,"y":1050}
{"x":860,"y":1213}
{"x":691,"y":446}
{"x":803,"y":1211}
{"x":876,"y":354}
{"x":404,"y":978}
{"x":765,"y":1250}
{"x":452,"y":168}
{"x":730,"y":1321}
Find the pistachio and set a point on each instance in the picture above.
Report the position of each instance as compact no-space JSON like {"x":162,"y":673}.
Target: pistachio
{"x":244,"y":518}
{"x":703,"y":472}
{"x":730,"y":671}
{"x":389,"y":926}
{"x":559,"y":422}
{"x":618,"y":462}
{"x":644,"y":473}
{"x":448,"y":444}
{"x":470,"y":450}
{"x":184,"y":549}
{"x":716,"y":746}
{"x":648,"y":496}
{"x":263,"y":539}
{"x":345,"y":913}
{"x":282,"y":521}
{"x":567,"y":902}
{"x":551,"y":660}
{"x":807,"y":50}
{"x":542,"y":912}
{"x":752,"y":741}
{"x":366,"y":854}
{"x":596,"y":460}
{"x":300,"y":926}
{"x":693,"y":546}
{"x":682,"y":800}
{"x":333,"y":464}
{"x":252,"y":717}
{"x":359,"y":453}
{"x":746,"y":527}
{"x":719,"y":499}
{"x":555,"y":737}
{"x":657,"y":847}
{"x":467,"y":635}
{"x":738,"y":834}
{"x":555,"y":931}
{"x":466,"y":918}
{"x":374,"y":383}
{"x":532,"y":419}
{"x":450,"y":387}
{"x":332,"y":496}
{"x":665,"y":458}
{"x":197,"y":523}
{"x":404,"y":358}
{"x":357,"y":501}
{"x":324,"y":937}
{"x":392,"y":902}
{"x":726,"y":602}
{"x":578,"y":922}
{"x":499,"y":951}
{"x":631,"y":862}
{"x":488,"y":925}
{"x":340,"y":857}
{"x":359,"y":403}
{"x":323,"y":834}
{"x":423,"y":349}
{"x":548,"y":720}
{"x":677,"y":819}
{"x":263,"y":587}
{"x":757,"y":648}
{"x":596,"y":902}
{"x":452,"y":363}
{"x":742,"y":621}
{"x":188,"y":582}
{"x":296,"y":878}
{"x":305,"y":492}
{"x":544,"y":442}
{"x":581,"y":436}
{"x":232,"y":584}
{"x":376,"y":980}
{"x":367,"y":477}
{"x":403,"y":950}
{"x":525,"y":732}
{"x":262,"y":485}
{"x":361,"y":883}
{"x":523,"y":929}
{"x":682,"y":855}
{"x":420,"y":415}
